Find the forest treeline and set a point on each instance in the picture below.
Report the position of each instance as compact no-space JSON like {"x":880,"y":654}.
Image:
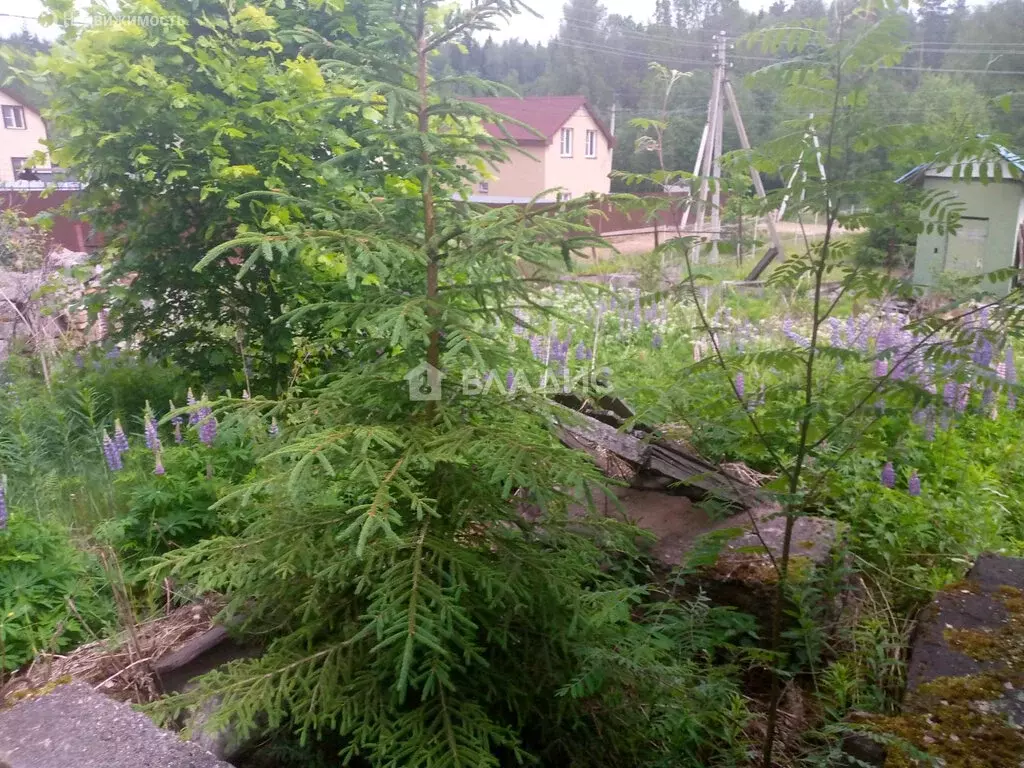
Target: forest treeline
{"x":963,"y":68}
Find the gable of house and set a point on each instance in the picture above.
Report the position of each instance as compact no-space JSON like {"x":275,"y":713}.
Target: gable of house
{"x":22,"y":132}
{"x":562,"y":144}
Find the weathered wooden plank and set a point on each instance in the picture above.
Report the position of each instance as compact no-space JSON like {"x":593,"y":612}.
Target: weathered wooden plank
{"x":661,"y":457}
{"x":670,"y":459}
{"x":587,"y":433}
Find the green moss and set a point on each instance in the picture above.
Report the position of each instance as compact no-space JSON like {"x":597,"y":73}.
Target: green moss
{"x":954,"y":718}
{"x":1004,"y":643}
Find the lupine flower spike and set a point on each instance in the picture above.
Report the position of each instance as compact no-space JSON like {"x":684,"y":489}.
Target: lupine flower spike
{"x":740,"y":383}
{"x":111,"y":453}
{"x":914,"y":484}
{"x":152,"y":433}
{"x":207,"y":428}
{"x":888,"y":475}
{"x":3,"y":503}
{"x":159,"y":468}
{"x":193,"y":416}
{"x":177,"y":421}
{"x":120,"y":438}
{"x":274,"y":430}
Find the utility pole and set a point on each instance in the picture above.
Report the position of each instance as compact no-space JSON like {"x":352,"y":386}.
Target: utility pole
{"x":716,"y":157}
{"x":709,"y":157}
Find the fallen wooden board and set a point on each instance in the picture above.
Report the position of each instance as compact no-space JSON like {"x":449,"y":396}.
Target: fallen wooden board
{"x":661,"y":457}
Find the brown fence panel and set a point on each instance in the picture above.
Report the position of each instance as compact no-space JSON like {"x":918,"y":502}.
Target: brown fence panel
{"x":72,"y":234}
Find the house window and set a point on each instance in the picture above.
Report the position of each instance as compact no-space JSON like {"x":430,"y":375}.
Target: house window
{"x":485,"y":188}
{"x":14,"y":117}
{"x":567,"y":142}
{"x":591,"y":144}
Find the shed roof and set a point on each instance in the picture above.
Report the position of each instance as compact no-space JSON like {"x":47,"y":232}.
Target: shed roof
{"x":916,"y":174}
{"x":545,"y":114}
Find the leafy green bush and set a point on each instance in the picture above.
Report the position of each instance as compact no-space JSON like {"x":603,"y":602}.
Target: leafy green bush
{"x":52,"y":595}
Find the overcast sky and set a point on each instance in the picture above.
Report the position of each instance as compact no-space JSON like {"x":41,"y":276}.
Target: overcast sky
{"x":523,"y":26}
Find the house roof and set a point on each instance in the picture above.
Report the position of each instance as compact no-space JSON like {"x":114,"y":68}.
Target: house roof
{"x":9,"y":93}
{"x":545,"y":114}
{"x":916,"y":174}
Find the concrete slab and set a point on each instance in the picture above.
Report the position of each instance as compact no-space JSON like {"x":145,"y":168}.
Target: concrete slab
{"x":964,"y":704}
{"x":75,"y":727}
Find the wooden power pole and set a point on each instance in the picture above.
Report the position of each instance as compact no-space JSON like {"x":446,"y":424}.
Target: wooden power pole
{"x":709,"y":156}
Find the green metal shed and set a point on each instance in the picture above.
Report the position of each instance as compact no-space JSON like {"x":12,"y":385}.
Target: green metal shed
{"x":991,"y":232}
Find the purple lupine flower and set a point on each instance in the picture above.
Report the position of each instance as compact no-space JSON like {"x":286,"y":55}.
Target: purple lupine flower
{"x":929,"y":427}
{"x":963,"y":394}
{"x":207,"y":428}
{"x":656,"y":341}
{"x":789,"y":333}
{"x":120,"y":438}
{"x":983,"y":353}
{"x":949,"y":393}
{"x":274,"y":430}
{"x":111,"y":453}
{"x":740,"y":384}
{"x":151,"y":432}
{"x":79,"y":361}
{"x":581,"y":351}
{"x":914,"y":484}
{"x":988,"y":399}
{"x":836,"y":337}
{"x":888,"y":475}
{"x":881,"y":368}
{"x":159,"y":468}
{"x":510,"y":382}
{"x":557,"y":353}
{"x":884,"y":339}
{"x":3,"y":507}
{"x":536,"y":347}
{"x":193,"y":416}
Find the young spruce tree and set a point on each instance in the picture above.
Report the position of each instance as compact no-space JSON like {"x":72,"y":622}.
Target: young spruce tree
{"x":410,"y":614}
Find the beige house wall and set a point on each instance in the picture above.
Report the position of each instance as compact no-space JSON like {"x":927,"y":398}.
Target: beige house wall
{"x":19,"y":142}
{"x":579,"y":174}
{"x":521,"y":177}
